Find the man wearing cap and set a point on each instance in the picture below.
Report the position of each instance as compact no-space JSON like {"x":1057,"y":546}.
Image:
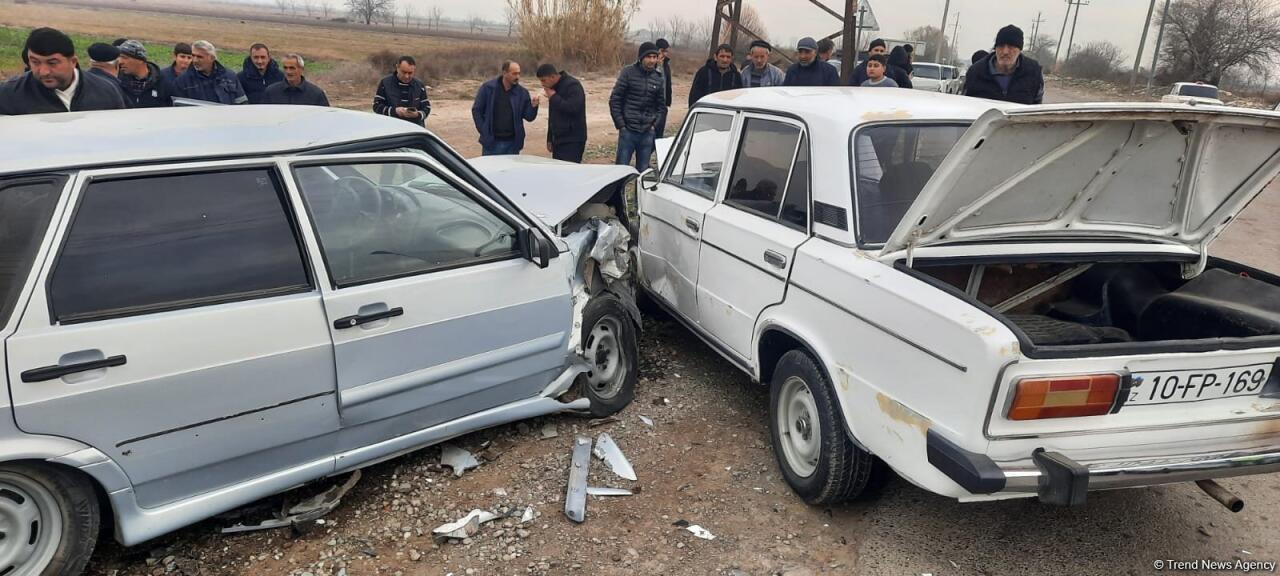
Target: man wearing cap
{"x":717,"y":75}
{"x":181,"y":61}
{"x":258,"y":72}
{"x":54,"y":82}
{"x":295,"y":89}
{"x":567,"y":114}
{"x":808,"y":70}
{"x":878,"y":46}
{"x":636,"y":104}
{"x":207,"y":79}
{"x":759,"y":73}
{"x":102,"y":60}
{"x":664,"y":53}
{"x":1006,"y":74}
{"x":143,"y":84}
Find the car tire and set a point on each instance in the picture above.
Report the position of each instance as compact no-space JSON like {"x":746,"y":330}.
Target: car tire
{"x":826,"y":469}
{"x":609,"y":347}
{"x":52,"y":516}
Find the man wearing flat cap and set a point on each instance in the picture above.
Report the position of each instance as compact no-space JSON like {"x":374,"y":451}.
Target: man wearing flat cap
{"x":1006,"y":74}
{"x":143,"y":84}
{"x":809,"y":70}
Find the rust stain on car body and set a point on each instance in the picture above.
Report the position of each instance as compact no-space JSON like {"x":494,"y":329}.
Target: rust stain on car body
{"x":877,"y":115}
{"x":898,"y":412}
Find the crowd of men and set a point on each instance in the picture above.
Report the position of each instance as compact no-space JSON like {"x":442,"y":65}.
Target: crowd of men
{"x":120,"y":75}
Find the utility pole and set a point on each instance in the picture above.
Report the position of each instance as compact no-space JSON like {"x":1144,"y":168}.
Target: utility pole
{"x":1062,"y":34}
{"x":942,"y":32}
{"x":1035,"y":30}
{"x":955,"y":34}
{"x":1137,"y":61}
{"x":1072,"y":39}
{"x":1155,"y":53}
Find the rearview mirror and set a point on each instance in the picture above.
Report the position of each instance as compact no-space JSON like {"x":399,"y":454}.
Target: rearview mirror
{"x":649,"y":180}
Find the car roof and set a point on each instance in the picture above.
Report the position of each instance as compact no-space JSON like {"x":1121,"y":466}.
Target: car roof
{"x":843,"y":109}
{"x":42,"y":142}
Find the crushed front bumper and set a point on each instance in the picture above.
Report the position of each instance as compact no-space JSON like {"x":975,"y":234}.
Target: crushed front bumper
{"x":1057,"y":479}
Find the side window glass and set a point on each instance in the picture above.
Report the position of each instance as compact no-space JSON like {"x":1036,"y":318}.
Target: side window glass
{"x":795,"y":208}
{"x":162,"y":242}
{"x":386,"y":220}
{"x":26,"y":205}
{"x":700,"y":160}
{"x":763,"y":166}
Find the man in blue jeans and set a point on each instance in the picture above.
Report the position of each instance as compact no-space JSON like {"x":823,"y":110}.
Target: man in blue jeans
{"x":637,"y":102}
{"x":502,"y":106}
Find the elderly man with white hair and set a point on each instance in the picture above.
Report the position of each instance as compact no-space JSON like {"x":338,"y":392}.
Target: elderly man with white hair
{"x":295,"y":89}
{"x":207,"y":79}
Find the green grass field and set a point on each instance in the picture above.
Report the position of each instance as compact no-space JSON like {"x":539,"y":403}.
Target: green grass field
{"x":11,"y":40}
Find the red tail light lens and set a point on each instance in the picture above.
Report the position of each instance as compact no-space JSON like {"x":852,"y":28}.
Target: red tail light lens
{"x":1064,"y":396}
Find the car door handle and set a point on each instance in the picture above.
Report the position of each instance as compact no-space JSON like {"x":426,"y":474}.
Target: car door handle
{"x":359,"y":319}
{"x":775,"y":259}
{"x":58,"y":371}
{"x":692,"y":225}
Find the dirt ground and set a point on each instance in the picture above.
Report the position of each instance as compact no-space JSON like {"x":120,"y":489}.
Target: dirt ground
{"x":705,"y":460}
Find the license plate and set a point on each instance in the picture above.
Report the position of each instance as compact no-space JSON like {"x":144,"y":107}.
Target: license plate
{"x":1197,"y":385}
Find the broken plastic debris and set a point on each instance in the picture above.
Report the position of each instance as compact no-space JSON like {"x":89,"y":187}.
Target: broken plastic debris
{"x":529,"y":515}
{"x":607,"y":450}
{"x":700,"y":532}
{"x":549,"y":430}
{"x":464,"y":527}
{"x":602,"y":491}
{"x":575,"y":500}
{"x":647,"y":420}
{"x":304,"y":512}
{"x":458,"y":459}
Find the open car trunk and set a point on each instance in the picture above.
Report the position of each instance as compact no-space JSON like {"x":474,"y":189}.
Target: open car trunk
{"x":1072,"y":307}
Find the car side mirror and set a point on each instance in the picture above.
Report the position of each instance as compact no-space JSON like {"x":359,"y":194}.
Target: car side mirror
{"x":535,"y":248}
{"x":649,"y":180}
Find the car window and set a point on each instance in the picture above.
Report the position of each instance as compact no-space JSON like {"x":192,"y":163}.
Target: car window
{"x":795,"y":207}
{"x":892,"y":163}
{"x":700,"y":158}
{"x":161,"y":242}
{"x":1199,"y":91}
{"x":926,"y":71}
{"x":26,"y":205}
{"x":762,"y":167}
{"x":386,"y":220}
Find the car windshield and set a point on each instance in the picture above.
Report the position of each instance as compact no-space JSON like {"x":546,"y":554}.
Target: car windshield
{"x":1199,"y":91}
{"x":929,"y":71}
{"x":892,"y":163}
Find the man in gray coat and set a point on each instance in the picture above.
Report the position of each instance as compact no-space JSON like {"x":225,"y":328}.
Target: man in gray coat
{"x":637,"y":103}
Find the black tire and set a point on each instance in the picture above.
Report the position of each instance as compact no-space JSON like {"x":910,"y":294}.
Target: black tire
{"x":605,"y":321}
{"x":840,"y":470}
{"x":72,"y":503}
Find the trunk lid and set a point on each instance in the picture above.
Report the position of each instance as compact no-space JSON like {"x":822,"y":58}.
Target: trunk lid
{"x":1146,"y":172}
{"x":550,"y":189}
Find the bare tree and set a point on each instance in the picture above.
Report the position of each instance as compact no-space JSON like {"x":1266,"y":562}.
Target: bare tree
{"x":511,"y":16}
{"x":324,"y":8}
{"x":1095,"y":61}
{"x":940,"y":48}
{"x":475,"y":22}
{"x":1207,"y":38}
{"x":309,"y":6}
{"x":408,"y":14}
{"x":750,"y":20}
{"x":1042,"y":51}
{"x":370,"y":10}
{"x":436,"y":14}
{"x":283,"y":5}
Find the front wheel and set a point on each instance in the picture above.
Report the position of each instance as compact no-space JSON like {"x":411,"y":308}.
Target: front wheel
{"x":48,"y":521}
{"x":609,"y":347}
{"x":817,"y":458}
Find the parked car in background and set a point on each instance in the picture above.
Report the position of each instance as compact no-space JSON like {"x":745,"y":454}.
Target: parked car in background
{"x":204,"y":306}
{"x":955,"y":82}
{"x":1192,"y":93}
{"x":994,"y":300}
{"x":930,"y":77}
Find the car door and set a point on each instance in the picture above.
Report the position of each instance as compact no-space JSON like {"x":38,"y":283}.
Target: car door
{"x":176,"y":328}
{"x":671,"y":214}
{"x":749,"y":240}
{"x":433,"y":310}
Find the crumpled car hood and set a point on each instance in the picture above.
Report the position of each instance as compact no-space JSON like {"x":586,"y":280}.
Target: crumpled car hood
{"x":550,"y":189}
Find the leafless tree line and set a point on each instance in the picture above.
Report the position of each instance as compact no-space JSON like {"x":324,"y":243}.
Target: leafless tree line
{"x":682,"y":32}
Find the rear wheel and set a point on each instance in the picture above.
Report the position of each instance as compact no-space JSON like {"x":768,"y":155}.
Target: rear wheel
{"x":817,"y":458}
{"x":609,"y":347}
{"x":48,"y":521}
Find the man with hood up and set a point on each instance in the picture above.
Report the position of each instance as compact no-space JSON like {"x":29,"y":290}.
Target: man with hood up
{"x":715,"y":76}
{"x":898,"y":67}
{"x":897,"y":73}
{"x":143,"y":84}
{"x":259,"y":71}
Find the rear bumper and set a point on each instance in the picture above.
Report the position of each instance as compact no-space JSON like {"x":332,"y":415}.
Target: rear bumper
{"x":1057,"y":479}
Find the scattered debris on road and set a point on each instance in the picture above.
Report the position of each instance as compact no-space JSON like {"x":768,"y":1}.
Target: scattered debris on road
{"x":601,"y":491}
{"x":575,"y":500}
{"x":464,"y":527}
{"x":458,"y":459}
{"x":549,"y":430}
{"x":647,"y":420}
{"x":607,"y":450}
{"x":300,"y":515}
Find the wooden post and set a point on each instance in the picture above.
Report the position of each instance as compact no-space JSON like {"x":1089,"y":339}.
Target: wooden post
{"x":850,"y":52}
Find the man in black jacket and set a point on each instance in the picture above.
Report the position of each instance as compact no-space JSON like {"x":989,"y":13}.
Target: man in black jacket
{"x":715,"y":76}
{"x":899,"y":75}
{"x":664,"y":52}
{"x":295,"y":89}
{"x":402,"y":96}
{"x":636,"y":104}
{"x":54,"y":82}
{"x":1006,"y":74}
{"x":143,"y":84}
{"x":258,"y":72}
{"x":808,"y":70}
{"x":567,"y":122}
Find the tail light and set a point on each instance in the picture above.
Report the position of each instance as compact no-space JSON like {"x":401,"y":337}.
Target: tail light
{"x":1064,"y":396}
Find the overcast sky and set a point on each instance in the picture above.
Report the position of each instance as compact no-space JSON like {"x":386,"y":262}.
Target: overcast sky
{"x":1119,"y":21}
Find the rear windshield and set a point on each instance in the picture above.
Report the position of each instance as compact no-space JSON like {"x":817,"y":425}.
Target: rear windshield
{"x":891,"y":165}
{"x":926,"y":71}
{"x":1199,"y":91}
{"x":26,"y":204}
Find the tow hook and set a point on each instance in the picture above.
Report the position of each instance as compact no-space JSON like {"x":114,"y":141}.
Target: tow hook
{"x":1222,"y":495}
